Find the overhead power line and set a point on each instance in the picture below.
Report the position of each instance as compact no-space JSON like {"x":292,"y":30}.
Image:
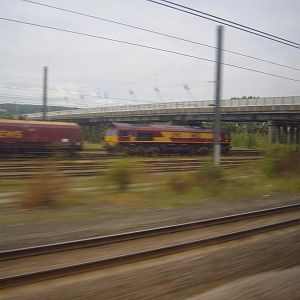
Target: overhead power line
{"x":183,"y":84}
{"x":225,"y":22}
{"x":26,"y":97}
{"x":146,"y":47}
{"x":67,"y":93}
{"x":16,"y":88}
{"x":238,"y":24}
{"x":52,"y":92}
{"x":156,"y":32}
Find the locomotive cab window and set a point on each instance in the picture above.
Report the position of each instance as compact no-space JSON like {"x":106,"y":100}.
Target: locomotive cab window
{"x":123,"y":133}
{"x":144,"y":136}
{"x":111,"y":132}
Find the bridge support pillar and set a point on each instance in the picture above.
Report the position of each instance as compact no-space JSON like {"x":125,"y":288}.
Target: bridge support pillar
{"x":289,"y":135}
{"x":277,"y":134}
{"x":285,"y":134}
{"x":298,"y":135}
{"x":292,"y":135}
{"x":270,"y":133}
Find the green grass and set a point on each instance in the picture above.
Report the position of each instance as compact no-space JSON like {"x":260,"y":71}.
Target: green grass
{"x":18,"y":216}
{"x":246,"y":140}
{"x":83,"y":198}
{"x":97,"y":146}
{"x":9,"y":184}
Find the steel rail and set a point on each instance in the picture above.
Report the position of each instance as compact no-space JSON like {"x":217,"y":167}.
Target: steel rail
{"x":85,"y":173}
{"x":24,"y":169}
{"x":97,"y":154}
{"x":109,"y":239}
{"x":78,"y":163}
{"x":40,"y":165}
{"x":73,"y":170}
{"x":32,"y":277}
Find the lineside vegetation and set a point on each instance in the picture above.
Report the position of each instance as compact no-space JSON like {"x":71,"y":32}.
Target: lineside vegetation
{"x":128,"y":184}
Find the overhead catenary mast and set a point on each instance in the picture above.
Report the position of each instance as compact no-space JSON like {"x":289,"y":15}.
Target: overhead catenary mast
{"x":45,"y":108}
{"x":217,"y":121}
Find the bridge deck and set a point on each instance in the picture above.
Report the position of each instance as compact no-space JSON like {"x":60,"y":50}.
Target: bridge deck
{"x":261,"y":109}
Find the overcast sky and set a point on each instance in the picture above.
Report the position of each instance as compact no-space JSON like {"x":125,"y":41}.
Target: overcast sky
{"x":102,"y":70}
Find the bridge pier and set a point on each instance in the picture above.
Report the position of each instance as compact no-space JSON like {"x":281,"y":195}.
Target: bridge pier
{"x":289,"y":135}
{"x":292,"y":135}
{"x":284,"y":134}
{"x":277,"y":134}
{"x":298,"y":135}
{"x":270,"y":132}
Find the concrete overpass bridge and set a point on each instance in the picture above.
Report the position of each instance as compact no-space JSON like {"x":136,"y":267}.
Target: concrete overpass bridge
{"x":281,"y":113}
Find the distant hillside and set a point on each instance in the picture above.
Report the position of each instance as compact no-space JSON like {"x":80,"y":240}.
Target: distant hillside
{"x":17,"y":109}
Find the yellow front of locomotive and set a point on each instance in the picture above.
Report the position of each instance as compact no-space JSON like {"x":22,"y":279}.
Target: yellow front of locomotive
{"x":111,"y":140}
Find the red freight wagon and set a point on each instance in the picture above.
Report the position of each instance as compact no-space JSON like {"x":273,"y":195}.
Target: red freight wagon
{"x":29,"y":136}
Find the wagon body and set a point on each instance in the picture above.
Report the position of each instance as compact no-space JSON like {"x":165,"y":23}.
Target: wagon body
{"x":39,"y":135}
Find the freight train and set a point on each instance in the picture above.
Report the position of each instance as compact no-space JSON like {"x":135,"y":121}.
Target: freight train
{"x":17,"y":136}
{"x":162,"y":139}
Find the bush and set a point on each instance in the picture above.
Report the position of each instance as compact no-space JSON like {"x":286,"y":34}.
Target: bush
{"x":43,"y":192}
{"x":209,"y":176}
{"x":122,"y":173}
{"x":180,"y":183}
{"x":249,"y":140}
{"x":282,"y":160}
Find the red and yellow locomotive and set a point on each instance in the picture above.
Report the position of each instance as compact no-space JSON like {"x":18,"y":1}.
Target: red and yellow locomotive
{"x":162,"y":139}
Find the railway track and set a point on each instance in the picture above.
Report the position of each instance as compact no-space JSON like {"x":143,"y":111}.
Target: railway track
{"x":28,"y":169}
{"x":94,"y":154}
{"x":45,"y":262}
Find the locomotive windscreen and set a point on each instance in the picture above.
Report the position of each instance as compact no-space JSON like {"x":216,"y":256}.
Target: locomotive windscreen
{"x":111,"y":132}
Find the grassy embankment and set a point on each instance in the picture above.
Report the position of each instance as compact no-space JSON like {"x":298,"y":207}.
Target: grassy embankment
{"x":128,"y":183}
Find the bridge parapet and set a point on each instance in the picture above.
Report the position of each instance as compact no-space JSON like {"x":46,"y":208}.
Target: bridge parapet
{"x":269,"y":104}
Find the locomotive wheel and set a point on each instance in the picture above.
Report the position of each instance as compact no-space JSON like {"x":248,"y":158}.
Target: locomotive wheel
{"x":153,"y":151}
{"x":202,"y":150}
{"x":192,"y":151}
{"x":140,"y":150}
